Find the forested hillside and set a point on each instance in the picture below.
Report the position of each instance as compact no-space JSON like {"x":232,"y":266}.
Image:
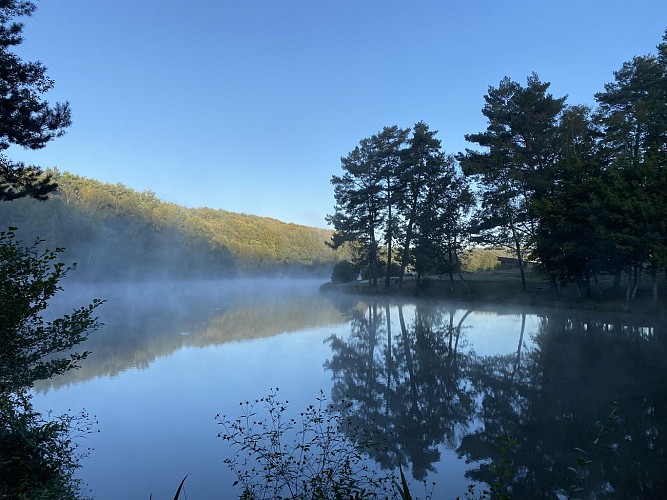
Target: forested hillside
{"x":116,"y":233}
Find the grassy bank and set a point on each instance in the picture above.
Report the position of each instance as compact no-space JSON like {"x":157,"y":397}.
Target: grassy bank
{"x":504,"y":287}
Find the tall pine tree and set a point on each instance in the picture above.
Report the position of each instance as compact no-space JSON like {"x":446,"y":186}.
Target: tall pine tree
{"x":25,"y":118}
{"x":513,"y":168}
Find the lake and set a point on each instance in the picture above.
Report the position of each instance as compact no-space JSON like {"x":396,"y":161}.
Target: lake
{"x":461,"y":395}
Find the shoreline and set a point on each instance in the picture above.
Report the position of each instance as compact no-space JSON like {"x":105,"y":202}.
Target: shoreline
{"x":503,"y":288}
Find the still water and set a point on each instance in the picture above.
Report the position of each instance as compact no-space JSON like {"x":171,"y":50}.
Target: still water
{"x":447,"y":387}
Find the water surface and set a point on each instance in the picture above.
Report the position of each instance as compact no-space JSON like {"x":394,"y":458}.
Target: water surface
{"x":447,"y":386}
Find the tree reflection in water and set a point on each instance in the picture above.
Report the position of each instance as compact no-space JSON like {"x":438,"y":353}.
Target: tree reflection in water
{"x":407,"y":386}
{"x":418,"y":383}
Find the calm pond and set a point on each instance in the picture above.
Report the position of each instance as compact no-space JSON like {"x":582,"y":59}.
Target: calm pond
{"x":442,"y":383}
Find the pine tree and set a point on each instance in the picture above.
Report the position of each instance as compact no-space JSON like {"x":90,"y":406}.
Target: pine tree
{"x":514,"y":169}
{"x":358,"y":215}
{"x":26,"y":120}
{"x":633,"y":116}
{"x":423,"y":160}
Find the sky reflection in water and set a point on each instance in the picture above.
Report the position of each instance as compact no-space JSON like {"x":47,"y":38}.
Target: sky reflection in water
{"x":171,"y":357}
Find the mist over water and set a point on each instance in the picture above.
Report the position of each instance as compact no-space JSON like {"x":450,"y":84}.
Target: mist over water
{"x":149,"y":319}
{"x":440,"y":381}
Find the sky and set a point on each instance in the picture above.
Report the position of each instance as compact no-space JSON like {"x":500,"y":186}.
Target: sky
{"x":248,"y":105}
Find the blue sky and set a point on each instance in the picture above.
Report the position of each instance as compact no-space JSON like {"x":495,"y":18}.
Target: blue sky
{"x":248,"y":105}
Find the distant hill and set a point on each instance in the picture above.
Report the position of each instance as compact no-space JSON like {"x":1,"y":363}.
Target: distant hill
{"x":116,"y":233}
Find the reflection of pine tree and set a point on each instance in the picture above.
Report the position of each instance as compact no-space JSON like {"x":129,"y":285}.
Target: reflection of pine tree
{"x":413,"y":392}
{"x":358,"y":371}
{"x":413,"y":383}
{"x":503,"y":386}
{"x":553,"y":398}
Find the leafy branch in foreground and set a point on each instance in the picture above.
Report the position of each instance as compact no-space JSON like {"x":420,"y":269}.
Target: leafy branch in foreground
{"x":585,"y":456}
{"x":504,"y":468}
{"x":29,"y":278}
{"x":38,"y":455}
{"x":277,"y":456}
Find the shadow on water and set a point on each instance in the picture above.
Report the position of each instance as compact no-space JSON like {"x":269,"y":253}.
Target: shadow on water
{"x":417,"y":380}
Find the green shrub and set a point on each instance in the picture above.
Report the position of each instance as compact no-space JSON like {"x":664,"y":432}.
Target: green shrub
{"x":344,"y":271}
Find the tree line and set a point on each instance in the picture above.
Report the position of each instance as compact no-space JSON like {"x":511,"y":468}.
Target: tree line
{"x":577,"y":190}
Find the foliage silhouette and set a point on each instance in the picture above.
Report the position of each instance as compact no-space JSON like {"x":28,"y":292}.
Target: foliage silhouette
{"x":311,"y":456}
{"x":38,"y":456}
{"x":26,"y":120}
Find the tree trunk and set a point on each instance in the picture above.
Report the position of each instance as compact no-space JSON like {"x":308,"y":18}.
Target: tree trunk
{"x":458,"y":270}
{"x":405,"y":256}
{"x":617,"y":278}
{"x":372,"y":262}
{"x":408,"y":240}
{"x":387,"y":279}
{"x":451,"y":268}
{"x":597,"y":284}
{"x":638,"y":277}
{"x":370,"y":268}
{"x":634,"y":277}
{"x":517,"y":248}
